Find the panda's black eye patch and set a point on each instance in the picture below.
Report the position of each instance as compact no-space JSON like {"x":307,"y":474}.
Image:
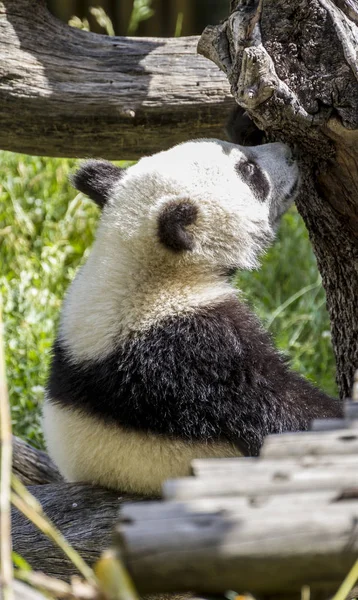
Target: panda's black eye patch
{"x":251,"y":173}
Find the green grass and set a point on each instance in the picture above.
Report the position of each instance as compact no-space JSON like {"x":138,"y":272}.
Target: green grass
{"x":45,"y":230}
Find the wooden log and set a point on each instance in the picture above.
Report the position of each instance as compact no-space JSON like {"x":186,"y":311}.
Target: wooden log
{"x":65,"y":92}
{"x":83,"y":513}
{"x":277,"y":480}
{"x":208,"y":468}
{"x":33,"y":466}
{"x":256,"y":550}
{"x":288,"y":445}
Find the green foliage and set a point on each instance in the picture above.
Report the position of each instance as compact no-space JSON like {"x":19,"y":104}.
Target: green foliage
{"x":102,"y":19}
{"x":46,"y":229}
{"x":286,"y":293}
{"x":141,"y":11}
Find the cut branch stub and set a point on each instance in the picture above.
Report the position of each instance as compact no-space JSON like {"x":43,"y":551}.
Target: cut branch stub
{"x":292,"y":64}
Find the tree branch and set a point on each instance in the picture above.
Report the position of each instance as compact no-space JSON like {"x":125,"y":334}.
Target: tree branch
{"x":65,"y":92}
{"x":32,"y":466}
{"x":85,"y":515}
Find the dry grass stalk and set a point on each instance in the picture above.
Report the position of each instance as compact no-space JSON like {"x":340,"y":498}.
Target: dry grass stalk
{"x":114,"y":579}
{"x":76,"y":590}
{"x":32,"y":509}
{"x":6,"y":568}
{"x":348,"y":584}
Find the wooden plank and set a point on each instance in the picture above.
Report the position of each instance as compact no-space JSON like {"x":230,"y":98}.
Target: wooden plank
{"x":351,"y":411}
{"x":258,"y":551}
{"x":274,"y":481}
{"x":311,"y":443}
{"x":240,"y":466}
{"x":228,"y":506}
{"x":329,"y":424}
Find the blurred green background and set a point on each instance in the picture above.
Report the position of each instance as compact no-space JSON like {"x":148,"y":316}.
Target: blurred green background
{"x":193,"y":14}
{"x":46,"y":229}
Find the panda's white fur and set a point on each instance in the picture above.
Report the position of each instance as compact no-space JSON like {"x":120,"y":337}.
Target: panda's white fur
{"x":131,"y":281}
{"x":86,"y":449}
{"x":172,"y":227}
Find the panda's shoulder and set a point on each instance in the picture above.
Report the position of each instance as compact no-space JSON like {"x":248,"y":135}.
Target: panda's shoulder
{"x":223,"y":332}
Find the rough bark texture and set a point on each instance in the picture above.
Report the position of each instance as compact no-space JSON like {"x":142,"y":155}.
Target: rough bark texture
{"x":84,"y":514}
{"x":32,"y":466}
{"x":292,"y":65}
{"x":65,"y":92}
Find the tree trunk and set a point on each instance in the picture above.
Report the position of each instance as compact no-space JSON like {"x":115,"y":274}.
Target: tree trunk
{"x":65,"y":92}
{"x":292,"y":65}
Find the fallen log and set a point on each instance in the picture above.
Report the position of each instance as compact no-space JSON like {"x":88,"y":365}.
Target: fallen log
{"x":66,"y":92}
{"x":84,"y":514}
{"x":32,"y":466}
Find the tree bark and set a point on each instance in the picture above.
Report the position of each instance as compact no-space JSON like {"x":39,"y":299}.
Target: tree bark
{"x":66,"y":92}
{"x":84,"y":514}
{"x":32,"y":466}
{"x":292,"y":65}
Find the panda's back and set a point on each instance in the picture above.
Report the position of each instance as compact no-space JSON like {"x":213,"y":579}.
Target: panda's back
{"x":211,"y":378}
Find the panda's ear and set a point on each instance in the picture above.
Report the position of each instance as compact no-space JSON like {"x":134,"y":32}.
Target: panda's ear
{"x":96,"y":179}
{"x":174,"y":218}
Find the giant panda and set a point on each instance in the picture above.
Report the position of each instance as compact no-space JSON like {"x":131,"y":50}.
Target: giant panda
{"x":157,"y":360}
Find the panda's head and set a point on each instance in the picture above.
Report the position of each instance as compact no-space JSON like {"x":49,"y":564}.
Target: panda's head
{"x":206,"y":202}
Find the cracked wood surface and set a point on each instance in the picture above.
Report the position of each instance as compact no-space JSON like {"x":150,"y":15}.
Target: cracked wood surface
{"x":66,"y":92}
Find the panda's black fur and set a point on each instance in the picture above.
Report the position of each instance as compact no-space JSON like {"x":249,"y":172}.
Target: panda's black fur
{"x":209,"y":376}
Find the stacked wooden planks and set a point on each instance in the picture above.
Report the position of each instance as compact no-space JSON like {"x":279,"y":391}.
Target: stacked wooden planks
{"x":266,"y":525}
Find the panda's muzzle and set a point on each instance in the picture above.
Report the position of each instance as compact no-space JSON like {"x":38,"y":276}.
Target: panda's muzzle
{"x":294,"y":188}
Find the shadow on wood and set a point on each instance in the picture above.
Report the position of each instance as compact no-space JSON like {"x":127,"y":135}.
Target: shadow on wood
{"x":66,"y":92}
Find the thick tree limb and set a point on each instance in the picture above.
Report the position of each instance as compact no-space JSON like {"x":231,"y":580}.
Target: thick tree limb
{"x":32,"y":466}
{"x":65,"y":92}
{"x":292,"y":65}
{"x":84,"y":514}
